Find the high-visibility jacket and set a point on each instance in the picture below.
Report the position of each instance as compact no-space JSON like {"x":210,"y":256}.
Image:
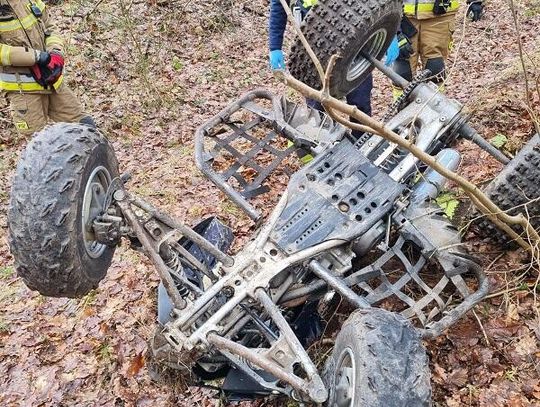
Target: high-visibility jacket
{"x":422,"y":9}
{"x":25,"y":29}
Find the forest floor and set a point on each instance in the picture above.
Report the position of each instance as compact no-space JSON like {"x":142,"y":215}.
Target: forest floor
{"x":152,"y":71}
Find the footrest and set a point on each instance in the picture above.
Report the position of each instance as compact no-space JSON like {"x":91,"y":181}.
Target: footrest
{"x":249,"y":145}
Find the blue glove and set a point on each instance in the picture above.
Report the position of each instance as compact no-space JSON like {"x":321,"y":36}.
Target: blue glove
{"x":277,"y":60}
{"x":392,"y":53}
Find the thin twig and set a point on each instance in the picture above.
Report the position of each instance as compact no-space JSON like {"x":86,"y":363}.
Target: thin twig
{"x":482,"y":328}
{"x":524,"y":66}
{"x":303,"y":39}
{"x":499,"y":217}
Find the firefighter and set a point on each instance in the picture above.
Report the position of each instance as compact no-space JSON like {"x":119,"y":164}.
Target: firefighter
{"x":31,"y":68}
{"x":426,"y":34}
{"x":360,"y":97}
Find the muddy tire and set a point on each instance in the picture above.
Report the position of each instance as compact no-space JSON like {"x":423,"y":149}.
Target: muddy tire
{"x":345,"y":27}
{"x":516,"y":189}
{"x":378,"y":361}
{"x":60,"y":181}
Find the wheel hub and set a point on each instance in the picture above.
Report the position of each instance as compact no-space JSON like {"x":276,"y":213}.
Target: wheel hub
{"x":345,"y":379}
{"x":94,"y":198}
{"x":373,"y":47}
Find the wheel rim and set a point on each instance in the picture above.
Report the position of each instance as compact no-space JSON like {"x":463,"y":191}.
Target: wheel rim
{"x":373,"y":46}
{"x":93,"y":202}
{"x":345,"y":379}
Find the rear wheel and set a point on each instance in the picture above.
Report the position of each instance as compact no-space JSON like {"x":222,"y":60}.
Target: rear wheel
{"x":378,"y":361}
{"x":58,"y":190}
{"x":517,"y":190}
{"x":346,"y":28}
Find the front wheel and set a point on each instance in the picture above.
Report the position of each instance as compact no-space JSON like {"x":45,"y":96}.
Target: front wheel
{"x":58,"y":190}
{"x":378,"y":361}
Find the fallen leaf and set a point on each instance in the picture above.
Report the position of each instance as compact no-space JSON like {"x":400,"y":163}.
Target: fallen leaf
{"x":136,"y":365}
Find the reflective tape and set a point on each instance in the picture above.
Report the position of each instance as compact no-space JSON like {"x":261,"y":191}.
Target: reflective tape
{"x":25,"y":23}
{"x":424,"y":7}
{"x":53,"y":40}
{"x":22,"y":23}
{"x":24,"y":83}
{"x":5,"y":55}
{"x":309,"y":3}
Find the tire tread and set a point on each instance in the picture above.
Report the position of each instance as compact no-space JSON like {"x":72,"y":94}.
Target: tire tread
{"x":41,"y":219}
{"x":395,"y":369}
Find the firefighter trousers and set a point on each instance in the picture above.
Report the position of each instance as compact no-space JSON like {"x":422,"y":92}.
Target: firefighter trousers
{"x":31,"y":111}
{"x":431,"y":46}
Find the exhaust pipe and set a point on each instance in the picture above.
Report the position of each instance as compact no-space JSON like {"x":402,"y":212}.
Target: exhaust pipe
{"x":432,"y":183}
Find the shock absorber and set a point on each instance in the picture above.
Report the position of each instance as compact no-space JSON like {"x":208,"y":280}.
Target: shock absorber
{"x":172,"y":261}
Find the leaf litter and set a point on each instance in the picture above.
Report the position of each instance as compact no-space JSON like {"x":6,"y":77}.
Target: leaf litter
{"x":151,"y":72}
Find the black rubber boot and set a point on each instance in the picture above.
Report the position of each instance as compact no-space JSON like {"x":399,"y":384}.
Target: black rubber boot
{"x":89,"y":121}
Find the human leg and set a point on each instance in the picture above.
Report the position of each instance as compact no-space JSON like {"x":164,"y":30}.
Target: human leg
{"x":64,"y":106}
{"x":28,"y":111}
{"x":406,"y":67}
{"x":436,"y":41}
{"x":361,"y":96}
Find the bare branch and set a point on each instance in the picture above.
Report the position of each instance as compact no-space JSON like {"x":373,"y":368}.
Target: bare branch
{"x":304,"y":41}
{"x":524,"y":67}
{"x":486,"y":206}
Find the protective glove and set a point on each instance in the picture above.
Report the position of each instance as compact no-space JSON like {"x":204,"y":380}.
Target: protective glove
{"x":475,"y":10}
{"x":42,"y":58}
{"x":48,"y":68}
{"x":405,"y":46}
{"x":277,"y":60}
{"x":392,"y":53}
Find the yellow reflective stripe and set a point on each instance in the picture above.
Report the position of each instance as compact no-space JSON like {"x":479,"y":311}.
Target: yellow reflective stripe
{"x":409,"y":8}
{"x":25,"y":22}
{"x":309,"y":3}
{"x":53,"y":40}
{"x":57,"y":84}
{"x":26,"y":86}
{"x":5,"y":55}
{"x":40,"y":4}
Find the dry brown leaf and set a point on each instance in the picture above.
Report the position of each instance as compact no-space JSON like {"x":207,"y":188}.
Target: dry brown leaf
{"x":136,"y":365}
{"x":526,"y":346}
{"x":458,"y":377}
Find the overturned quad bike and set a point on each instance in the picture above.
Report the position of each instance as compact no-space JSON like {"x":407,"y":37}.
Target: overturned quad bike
{"x":357,"y":222}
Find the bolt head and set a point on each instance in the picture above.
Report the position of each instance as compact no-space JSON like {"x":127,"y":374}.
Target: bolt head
{"x":320,"y":395}
{"x":119,"y":195}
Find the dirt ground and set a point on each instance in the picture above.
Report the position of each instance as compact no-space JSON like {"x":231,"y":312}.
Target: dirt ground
{"x":150,"y":72}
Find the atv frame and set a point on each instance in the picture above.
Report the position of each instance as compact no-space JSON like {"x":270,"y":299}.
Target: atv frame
{"x":358,"y":220}
{"x":295,"y":235}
